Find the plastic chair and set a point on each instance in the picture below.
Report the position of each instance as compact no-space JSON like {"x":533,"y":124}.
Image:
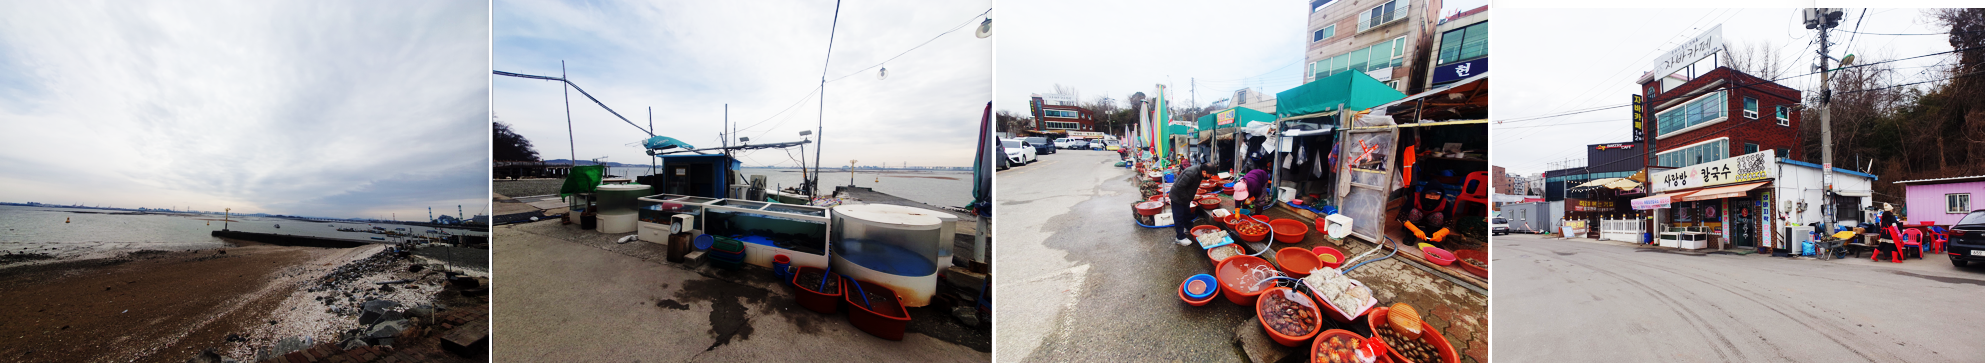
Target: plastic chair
{"x":1936,"y":239}
{"x":1903,"y":240}
{"x":1474,"y":189}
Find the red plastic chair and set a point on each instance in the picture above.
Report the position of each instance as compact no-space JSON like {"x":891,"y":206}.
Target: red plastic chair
{"x":1937,"y":239}
{"x":1908,"y":238}
{"x":1475,"y":189}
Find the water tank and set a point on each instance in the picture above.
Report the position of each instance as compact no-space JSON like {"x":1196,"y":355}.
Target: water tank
{"x":890,"y":245}
{"x":617,"y":206}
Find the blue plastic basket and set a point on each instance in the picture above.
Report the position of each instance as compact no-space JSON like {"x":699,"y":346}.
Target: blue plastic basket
{"x":703,"y":241}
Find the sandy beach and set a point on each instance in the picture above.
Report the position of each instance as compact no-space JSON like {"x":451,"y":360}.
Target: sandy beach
{"x":168,"y":306}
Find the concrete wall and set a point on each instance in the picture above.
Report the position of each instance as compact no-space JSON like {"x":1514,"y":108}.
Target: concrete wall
{"x":1799,"y":183}
{"x":1926,"y":201}
{"x":290,"y":240}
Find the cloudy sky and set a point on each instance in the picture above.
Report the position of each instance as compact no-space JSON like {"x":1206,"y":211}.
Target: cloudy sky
{"x":1542,"y":69}
{"x":687,"y":59}
{"x":1216,"y":47}
{"x":335,"y":109}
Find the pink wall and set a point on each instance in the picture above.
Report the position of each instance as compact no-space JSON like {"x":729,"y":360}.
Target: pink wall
{"x":1926,"y":202}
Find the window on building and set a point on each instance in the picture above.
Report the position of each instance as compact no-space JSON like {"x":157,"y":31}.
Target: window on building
{"x":1381,"y":14}
{"x":1784,"y":153}
{"x":1317,"y":5}
{"x":1957,"y":203}
{"x":1059,"y":125}
{"x":1784,"y":116}
{"x":1750,"y":148}
{"x":1325,"y":33}
{"x":1695,"y":154}
{"x":1750,"y":108}
{"x":1378,"y":56}
{"x":1060,"y":113}
{"x":1705,"y":109}
{"x":1466,"y":43}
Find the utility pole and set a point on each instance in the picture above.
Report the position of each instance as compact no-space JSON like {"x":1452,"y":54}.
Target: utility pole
{"x":651,"y":127}
{"x":1823,"y":19}
{"x":567,"y":85}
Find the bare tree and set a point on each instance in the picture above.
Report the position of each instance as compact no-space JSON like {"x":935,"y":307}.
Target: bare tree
{"x":1757,"y":59}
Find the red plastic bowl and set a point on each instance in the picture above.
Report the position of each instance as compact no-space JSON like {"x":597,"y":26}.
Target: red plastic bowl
{"x":1285,"y":340}
{"x":1289,"y":230}
{"x":1296,"y":261}
{"x":1149,"y":208}
{"x":1433,"y":337}
{"x":1330,"y":257}
{"x":1438,"y":256}
{"x":1228,"y":271}
{"x":1209,"y":203}
{"x":1321,"y":338}
{"x":1216,"y":261}
{"x":1229,"y":220}
{"x":1203,"y":302}
{"x":1478,"y":255}
{"x":1195,"y":231}
{"x":1255,"y":237}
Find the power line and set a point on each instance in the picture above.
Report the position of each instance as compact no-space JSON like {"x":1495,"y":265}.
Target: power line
{"x":1917,"y":83}
{"x":1533,"y":118}
{"x":926,"y":42}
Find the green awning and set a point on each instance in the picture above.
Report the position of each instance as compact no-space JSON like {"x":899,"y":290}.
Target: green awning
{"x":1354,"y":90}
{"x":1240,"y":115}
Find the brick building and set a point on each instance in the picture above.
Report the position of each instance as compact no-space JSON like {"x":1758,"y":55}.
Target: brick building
{"x":1718,"y":114}
{"x":1499,"y":182}
{"x":1061,"y":113}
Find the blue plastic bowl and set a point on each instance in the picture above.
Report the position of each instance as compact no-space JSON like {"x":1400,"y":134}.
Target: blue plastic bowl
{"x":1329,"y":210}
{"x":1212,"y":286}
{"x":704,"y":241}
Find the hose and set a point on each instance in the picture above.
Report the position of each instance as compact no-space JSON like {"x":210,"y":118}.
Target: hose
{"x":858,"y":288}
{"x":1395,"y":251}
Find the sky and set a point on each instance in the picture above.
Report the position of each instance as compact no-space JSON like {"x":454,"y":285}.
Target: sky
{"x":1213,"y":47}
{"x":348,"y":109}
{"x":688,"y":59}
{"x":1544,"y":70}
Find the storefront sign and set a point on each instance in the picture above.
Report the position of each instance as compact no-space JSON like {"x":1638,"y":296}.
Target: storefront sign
{"x":1381,"y":74}
{"x":1582,"y":205}
{"x":1461,"y":70}
{"x":1639,"y":133}
{"x":1613,"y":146}
{"x":1224,"y":118}
{"x":1748,"y":167}
{"x":1702,"y":46}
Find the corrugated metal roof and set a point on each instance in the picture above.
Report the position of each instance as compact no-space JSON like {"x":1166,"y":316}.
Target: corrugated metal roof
{"x":1944,"y":180}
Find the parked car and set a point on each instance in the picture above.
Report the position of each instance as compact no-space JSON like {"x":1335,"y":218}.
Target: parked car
{"x":1074,"y":144}
{"x":1967,"y":239}
{"x":1111,"y":145}
{"x":1041,"y":145}
{"x":1498,"y":226}
{"x":1018,"y":152}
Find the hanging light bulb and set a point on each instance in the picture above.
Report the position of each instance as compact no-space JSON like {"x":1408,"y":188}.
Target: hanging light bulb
{"x":882,"y":74}
{"x":985,"y":29}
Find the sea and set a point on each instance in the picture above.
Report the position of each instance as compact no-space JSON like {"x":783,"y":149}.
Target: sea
{"x":939,"y":188}
{"x":42,"y":229}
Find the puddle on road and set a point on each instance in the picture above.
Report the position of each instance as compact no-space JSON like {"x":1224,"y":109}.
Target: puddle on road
{"x":727,"y":313}
{"x":1943,"y":279}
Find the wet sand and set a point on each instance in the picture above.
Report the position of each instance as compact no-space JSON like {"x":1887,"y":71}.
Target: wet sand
{"x":164,"y":306}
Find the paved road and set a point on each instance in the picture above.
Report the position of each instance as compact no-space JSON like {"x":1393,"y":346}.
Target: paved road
{"x":568,"y":295}
{"x":1584,"y":301}
{"x":1079,"y":282}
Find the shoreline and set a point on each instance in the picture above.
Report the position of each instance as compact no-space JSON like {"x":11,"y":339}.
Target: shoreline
{"x":240,"y":301}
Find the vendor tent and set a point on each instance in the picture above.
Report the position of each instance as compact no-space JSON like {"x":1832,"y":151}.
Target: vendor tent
{"x":1233,"y":117}
{"x":1353,"y":90}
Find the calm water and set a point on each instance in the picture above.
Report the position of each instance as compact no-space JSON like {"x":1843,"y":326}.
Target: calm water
{"x":946,"y":188}
{"x":40,"y":228}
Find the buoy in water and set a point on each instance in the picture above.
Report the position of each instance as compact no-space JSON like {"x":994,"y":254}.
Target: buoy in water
{"x":65,"y":219}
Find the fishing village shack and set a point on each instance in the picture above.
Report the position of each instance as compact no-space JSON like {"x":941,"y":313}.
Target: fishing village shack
{"x":1753,"y":201}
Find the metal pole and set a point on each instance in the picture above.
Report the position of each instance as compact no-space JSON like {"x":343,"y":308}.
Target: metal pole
{"x":651,"y":128}
{"x":568,"y":113}
{"x":820,"y":122}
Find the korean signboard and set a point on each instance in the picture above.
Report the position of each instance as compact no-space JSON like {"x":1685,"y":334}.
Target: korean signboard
{"x":1639,"y":130}
{"x":1460,"y":71}
{"x":1583,"y":205}
{"x":1748,"y":167}
{"x":1224,"y":118}
{"x":1702,"y":46}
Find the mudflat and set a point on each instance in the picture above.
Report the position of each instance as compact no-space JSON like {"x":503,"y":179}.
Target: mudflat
{"x":149,"y":306}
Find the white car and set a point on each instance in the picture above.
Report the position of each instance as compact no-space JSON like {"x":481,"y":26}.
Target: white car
{"x":1019,"y":152}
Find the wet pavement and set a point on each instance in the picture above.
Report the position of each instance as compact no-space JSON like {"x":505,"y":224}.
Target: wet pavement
{"x":1583,"y":300}
{"x":573,"y":295}
{"x":1095,"y":286}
